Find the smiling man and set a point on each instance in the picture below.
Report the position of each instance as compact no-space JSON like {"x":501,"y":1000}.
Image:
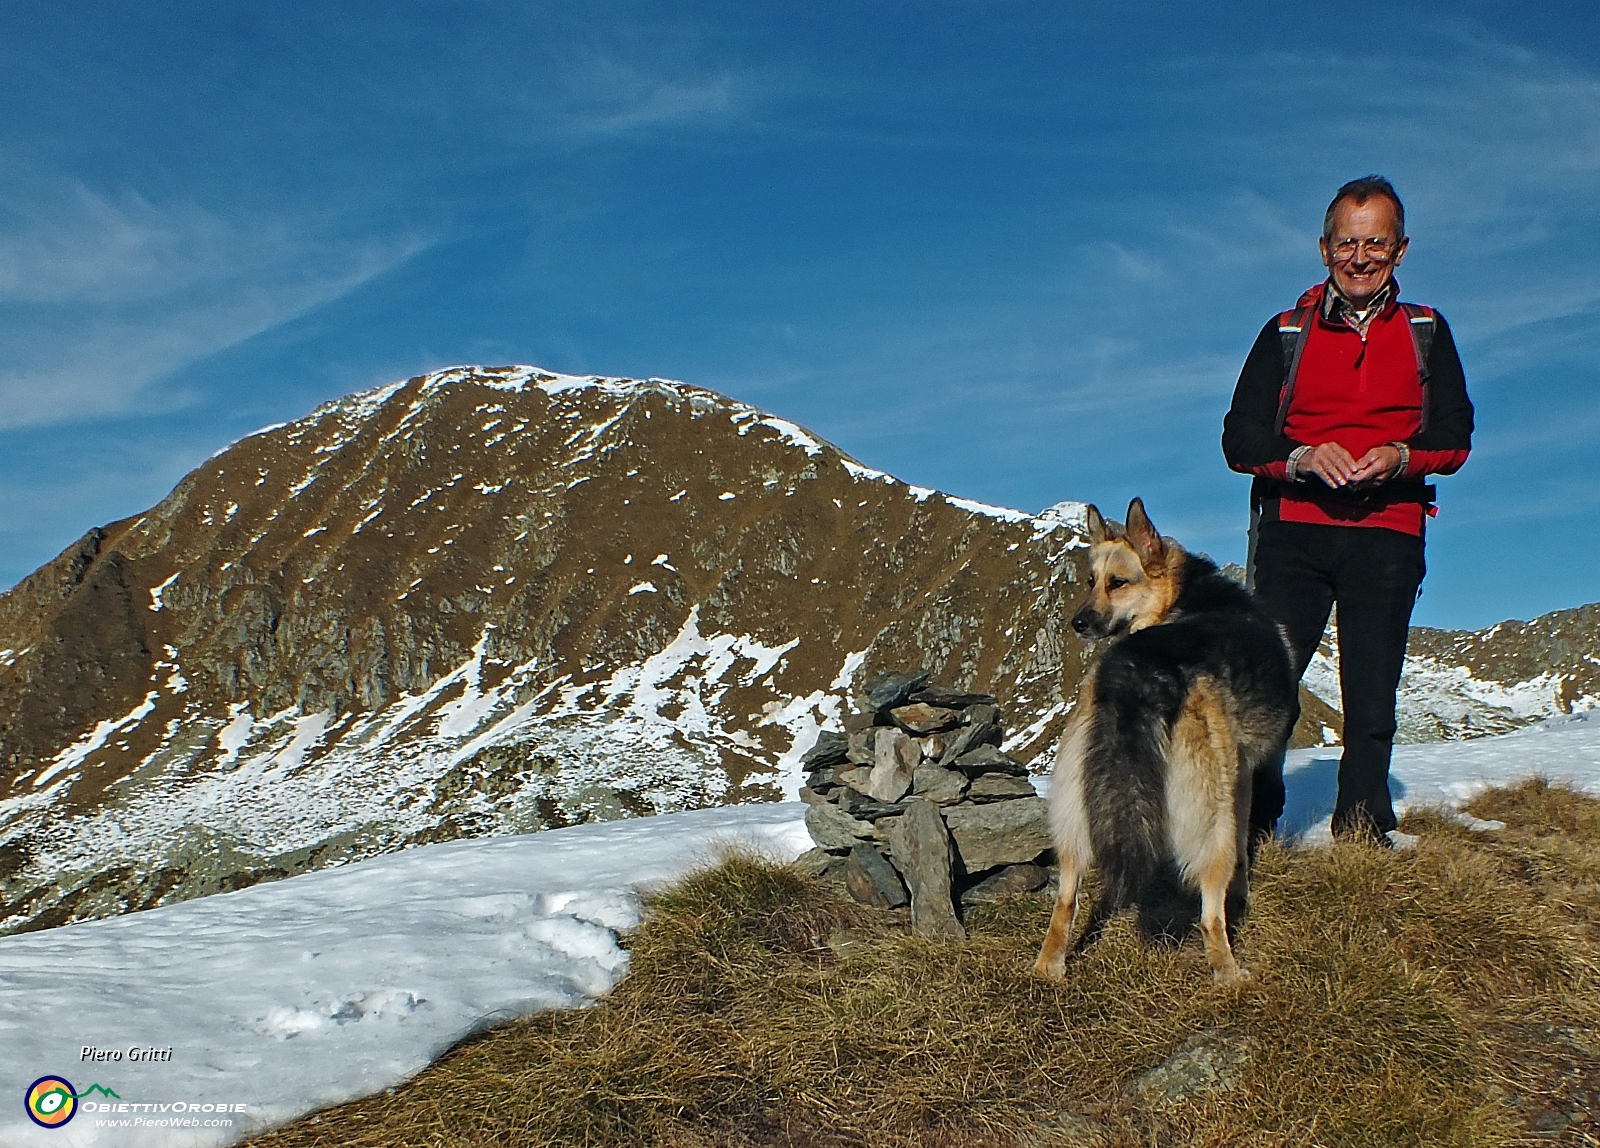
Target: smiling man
{"x":1345,"y":404}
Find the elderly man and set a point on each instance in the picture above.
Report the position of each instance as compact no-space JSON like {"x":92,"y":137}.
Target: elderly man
{"x":1344,"y":405}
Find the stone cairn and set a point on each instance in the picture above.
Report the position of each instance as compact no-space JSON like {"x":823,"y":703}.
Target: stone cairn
{"x":915,"y":802}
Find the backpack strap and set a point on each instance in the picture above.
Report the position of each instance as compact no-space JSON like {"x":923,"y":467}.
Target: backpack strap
{"x":1294,"y":328}
{"x":1423,"y":325}
{"x":1422,"y":322}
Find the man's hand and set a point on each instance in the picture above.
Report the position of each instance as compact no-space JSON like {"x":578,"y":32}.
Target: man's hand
{"x":1378,"y":466}
{"x":1338,"y":468}
{"x":1330,"y":462}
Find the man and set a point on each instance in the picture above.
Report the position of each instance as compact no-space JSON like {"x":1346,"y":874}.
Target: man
{"x":1344,"y":405}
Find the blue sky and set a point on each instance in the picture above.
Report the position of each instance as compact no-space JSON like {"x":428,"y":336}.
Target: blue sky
{"x":1016,"y":251}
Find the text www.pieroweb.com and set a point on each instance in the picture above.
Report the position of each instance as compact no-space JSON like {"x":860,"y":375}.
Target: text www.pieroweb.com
{"x":155,"y":1115}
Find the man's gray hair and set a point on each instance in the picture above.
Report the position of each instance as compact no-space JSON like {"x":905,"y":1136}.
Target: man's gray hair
{"x":1362,"y":190}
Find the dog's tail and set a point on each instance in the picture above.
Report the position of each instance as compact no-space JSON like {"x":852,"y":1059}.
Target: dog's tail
{"x":1125,"y":789}
{"x":1125,"y":783}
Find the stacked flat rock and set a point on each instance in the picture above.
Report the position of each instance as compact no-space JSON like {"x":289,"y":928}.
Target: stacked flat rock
{"x":915,"y":802}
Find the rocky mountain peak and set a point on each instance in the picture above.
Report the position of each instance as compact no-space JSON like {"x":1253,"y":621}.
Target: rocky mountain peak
{"x":484,"y":600}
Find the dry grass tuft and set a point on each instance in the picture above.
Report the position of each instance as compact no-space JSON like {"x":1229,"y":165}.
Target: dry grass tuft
{"x":1442,"y":996}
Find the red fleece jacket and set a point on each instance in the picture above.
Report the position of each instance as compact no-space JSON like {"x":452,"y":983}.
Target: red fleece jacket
{"x":1359,"y":393}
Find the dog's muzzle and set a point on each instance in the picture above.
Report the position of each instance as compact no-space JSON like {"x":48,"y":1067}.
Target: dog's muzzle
{"x":1087,"y":624}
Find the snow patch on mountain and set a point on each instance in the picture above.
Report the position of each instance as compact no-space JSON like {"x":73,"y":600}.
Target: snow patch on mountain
{"x":295,"y":780}
{"x":75,"y":754}
{"x":157,"y":591}
{"x":1004,"y":514}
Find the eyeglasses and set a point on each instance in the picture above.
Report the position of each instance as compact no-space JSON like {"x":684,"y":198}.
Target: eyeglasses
{"x":1377,"y":249}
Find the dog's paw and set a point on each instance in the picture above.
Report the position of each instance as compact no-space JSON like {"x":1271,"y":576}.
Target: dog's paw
{"x":1236,"y":975}
{"x":1050,"y":970}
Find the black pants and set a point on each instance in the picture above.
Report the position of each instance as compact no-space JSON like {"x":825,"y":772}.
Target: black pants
{"x":1372,"y":574}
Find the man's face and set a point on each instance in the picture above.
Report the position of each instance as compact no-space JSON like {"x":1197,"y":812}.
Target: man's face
{"x":1360,"y":267}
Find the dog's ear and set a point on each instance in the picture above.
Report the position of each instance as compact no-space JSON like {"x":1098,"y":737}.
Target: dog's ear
{"x":1144,"y":537}
{"x":1097,"y":525}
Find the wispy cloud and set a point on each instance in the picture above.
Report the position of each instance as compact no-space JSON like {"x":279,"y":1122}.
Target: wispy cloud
{"x":105,"y":294}
{"x":605,"y":82}
{"x":610,"y":96}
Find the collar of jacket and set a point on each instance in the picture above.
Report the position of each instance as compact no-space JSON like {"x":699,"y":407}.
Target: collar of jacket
{"x":1338,"y":309}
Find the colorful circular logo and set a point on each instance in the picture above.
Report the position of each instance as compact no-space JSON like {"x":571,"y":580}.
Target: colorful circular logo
{"x":52,"y":1101}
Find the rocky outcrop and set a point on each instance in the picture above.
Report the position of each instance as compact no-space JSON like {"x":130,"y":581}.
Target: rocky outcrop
{"x":1457,"y":685}
{"x":1470,"y":684}
{"x":952,"y":816}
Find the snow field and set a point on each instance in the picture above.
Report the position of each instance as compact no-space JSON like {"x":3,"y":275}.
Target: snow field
{"x":293,"y":996}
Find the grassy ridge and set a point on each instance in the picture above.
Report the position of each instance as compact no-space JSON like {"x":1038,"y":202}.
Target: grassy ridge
{"x":1447,"y":995}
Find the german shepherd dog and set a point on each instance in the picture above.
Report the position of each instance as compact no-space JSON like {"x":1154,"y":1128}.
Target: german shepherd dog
{"x":1153,"y":779}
